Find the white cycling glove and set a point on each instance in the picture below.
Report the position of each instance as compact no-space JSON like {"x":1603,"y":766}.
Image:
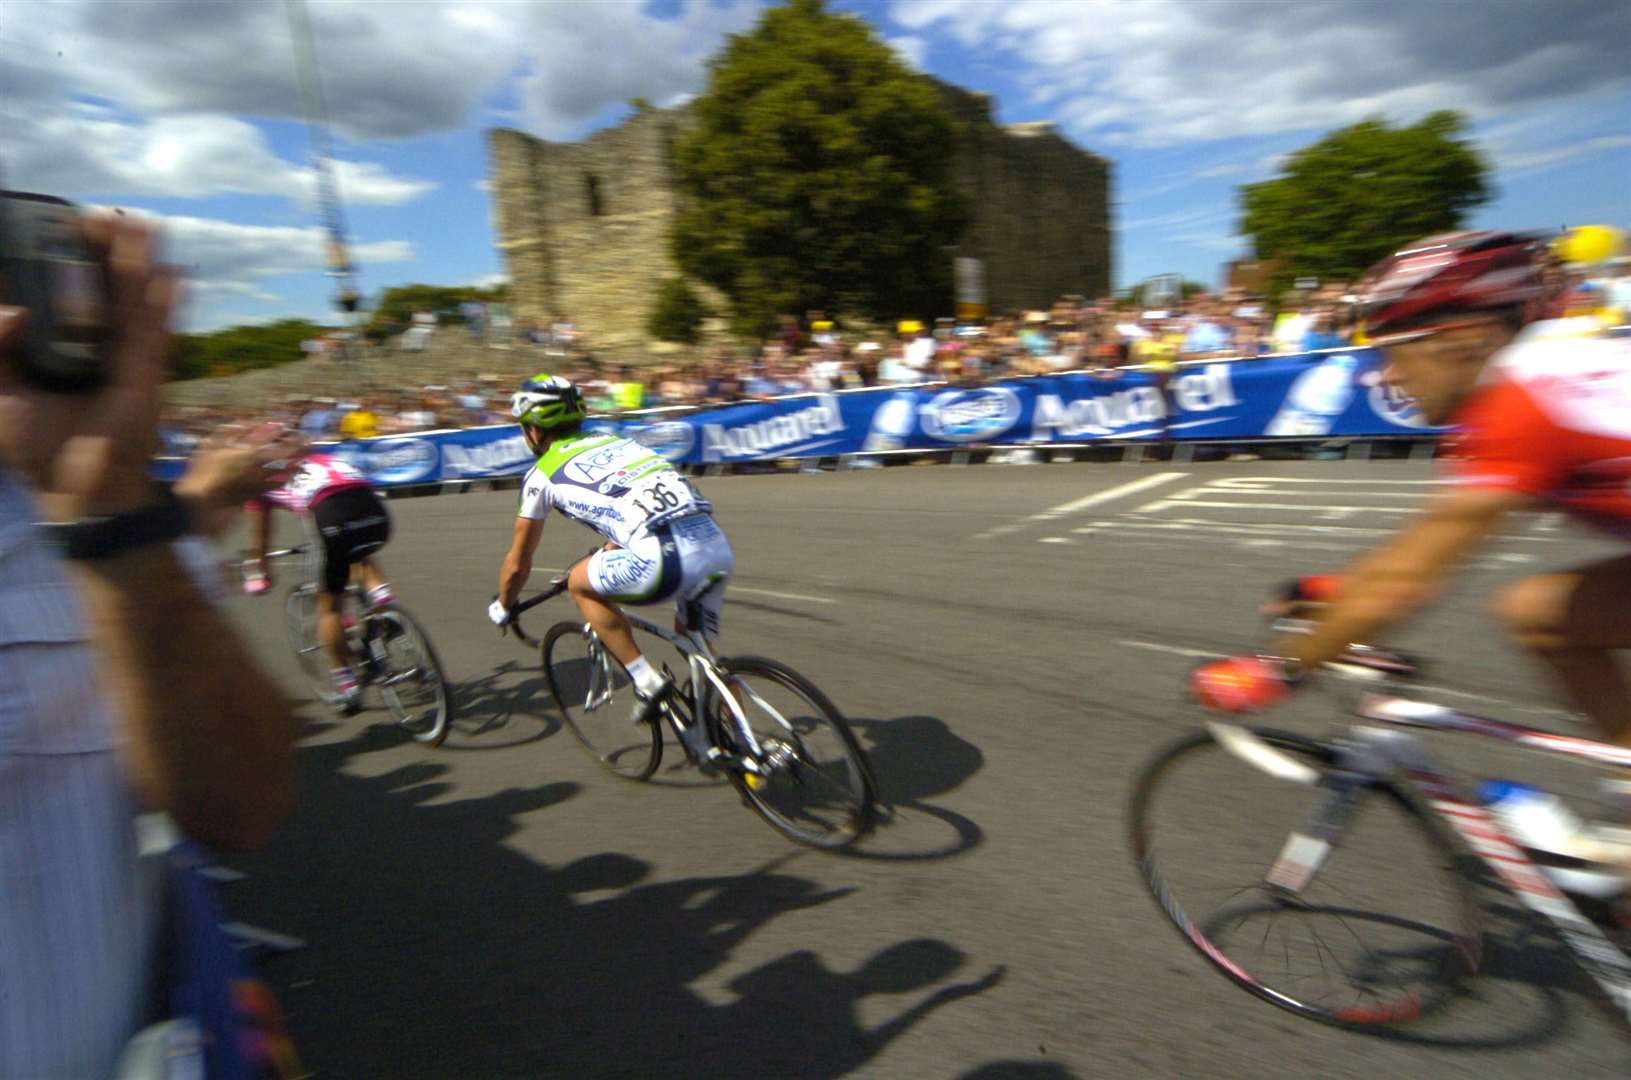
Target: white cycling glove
{"x":500,"y":614}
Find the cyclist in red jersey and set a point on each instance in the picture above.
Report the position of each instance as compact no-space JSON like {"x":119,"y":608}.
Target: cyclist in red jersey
{"x":1543,"y":418}
{"x":351,"y":524}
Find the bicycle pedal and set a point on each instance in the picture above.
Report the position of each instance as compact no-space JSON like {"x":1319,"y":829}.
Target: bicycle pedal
{"x":756,"y":781}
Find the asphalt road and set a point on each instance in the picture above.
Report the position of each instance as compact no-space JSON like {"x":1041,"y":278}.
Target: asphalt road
{"x":1010,"y":642}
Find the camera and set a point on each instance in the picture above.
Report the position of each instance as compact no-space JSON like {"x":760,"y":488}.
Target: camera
{"x":48,"y":267}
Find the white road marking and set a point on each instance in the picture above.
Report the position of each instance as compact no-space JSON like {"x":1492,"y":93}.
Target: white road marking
{"x":778,"y":595}
{"x":1248,"y":483}
{"x":1056,"y":540}
{"x":1075,"y":505}
{"x":1197,"y":654}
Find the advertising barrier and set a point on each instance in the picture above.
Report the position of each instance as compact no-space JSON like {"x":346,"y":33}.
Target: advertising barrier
{"x":1335,"y":394}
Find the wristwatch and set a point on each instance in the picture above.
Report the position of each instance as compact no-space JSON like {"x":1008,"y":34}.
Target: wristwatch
{"x":158,"y":522}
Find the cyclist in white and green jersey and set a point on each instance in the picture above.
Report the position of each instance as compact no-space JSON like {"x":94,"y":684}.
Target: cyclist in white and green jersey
{"x":663,"y":543}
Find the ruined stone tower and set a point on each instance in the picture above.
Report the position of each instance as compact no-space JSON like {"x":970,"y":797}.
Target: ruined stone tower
{"x":584,"y":226}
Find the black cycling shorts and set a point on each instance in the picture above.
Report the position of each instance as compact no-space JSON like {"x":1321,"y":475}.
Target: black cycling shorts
{"x":353,"y":524}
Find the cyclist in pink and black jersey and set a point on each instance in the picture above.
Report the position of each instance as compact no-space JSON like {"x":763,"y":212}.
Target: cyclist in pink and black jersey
{"x":351,"y":522}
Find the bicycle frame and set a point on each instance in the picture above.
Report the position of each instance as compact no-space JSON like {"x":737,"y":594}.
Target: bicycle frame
{"x":1369,"y":754}
{"x":705,"y":681}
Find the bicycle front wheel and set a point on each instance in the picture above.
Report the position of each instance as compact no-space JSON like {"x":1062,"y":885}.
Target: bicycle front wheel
{"x":596,"y":699}
{"x":1376,"y":930}
{"x":409,"y":675}
{"x":810,"y":779}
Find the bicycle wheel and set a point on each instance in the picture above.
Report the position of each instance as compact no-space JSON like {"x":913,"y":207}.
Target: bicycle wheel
{"x":409,"y":674}
{"x":596,"y":698}
{"x":300,"y":619}
{"x":815,"y":784}
{"x":1380,"y":934}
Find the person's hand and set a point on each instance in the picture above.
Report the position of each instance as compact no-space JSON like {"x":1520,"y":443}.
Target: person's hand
{"x":88,"y":454}
{"x":1298,"y":595}
{"x":499,"y":614}
{"x":1240,"y":684}
{"x":233,"y":465}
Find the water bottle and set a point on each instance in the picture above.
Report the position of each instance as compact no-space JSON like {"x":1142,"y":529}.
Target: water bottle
{"x":1539,"y":821}
{"x":1316,"y":399}
{"x":892,"y":423}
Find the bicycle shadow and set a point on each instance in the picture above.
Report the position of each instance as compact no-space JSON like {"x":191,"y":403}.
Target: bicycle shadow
{"x":439,"y":948}
{"x":1524,"y":994}
{"x":491,"y":702}
{"x":917,"y":758}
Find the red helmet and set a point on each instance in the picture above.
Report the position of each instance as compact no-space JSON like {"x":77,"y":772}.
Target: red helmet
{"x":1463,"y":271}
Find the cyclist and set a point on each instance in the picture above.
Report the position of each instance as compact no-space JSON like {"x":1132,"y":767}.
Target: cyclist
{"x":350,"y":522}
{"x":662,"y":544}
{"x":1543,"y":418}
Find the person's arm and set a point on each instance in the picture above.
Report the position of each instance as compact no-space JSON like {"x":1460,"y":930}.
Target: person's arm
{"x":1403,"y":575}
{"x":512,"y":577}
{"x":209,"y":736}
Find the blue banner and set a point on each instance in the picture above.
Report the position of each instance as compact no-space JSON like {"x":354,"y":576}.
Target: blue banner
{"x":1321,"y":395}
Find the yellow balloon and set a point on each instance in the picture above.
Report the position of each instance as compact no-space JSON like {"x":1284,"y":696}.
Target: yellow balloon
{"x":1589,"y":244}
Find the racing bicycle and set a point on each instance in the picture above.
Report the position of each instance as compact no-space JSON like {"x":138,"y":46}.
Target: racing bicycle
{"x":394,"y":656}
{"x":783,"y":745}
{"x":1336,"y":875}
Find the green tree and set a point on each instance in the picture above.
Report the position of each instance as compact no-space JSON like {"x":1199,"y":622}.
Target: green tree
{"x":817,"y":175}
{"x":1361,"y":192}
{"x":677,"y":314}
{"x":397,"y":304}
{"x":240,"y":348}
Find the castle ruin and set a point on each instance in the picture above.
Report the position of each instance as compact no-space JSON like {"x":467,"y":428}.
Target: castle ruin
{"x":584,"y":227}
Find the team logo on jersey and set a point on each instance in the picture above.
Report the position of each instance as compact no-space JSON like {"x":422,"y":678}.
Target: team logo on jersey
{"x":971,"y":415}
{"x":402,"y":461}
{"x":673,"y":439}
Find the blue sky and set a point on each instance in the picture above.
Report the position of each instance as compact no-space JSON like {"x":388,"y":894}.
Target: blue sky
{"x":189,"y":110}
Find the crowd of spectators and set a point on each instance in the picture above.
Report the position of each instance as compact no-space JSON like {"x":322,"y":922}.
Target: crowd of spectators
{"x":816,"y":354}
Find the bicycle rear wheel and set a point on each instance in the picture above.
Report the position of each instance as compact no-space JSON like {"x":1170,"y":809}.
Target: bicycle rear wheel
{"x":1381,"y":933}
{"x":300,"y":620}
{"x":814,"y":783}
{"x":596,"y":698}
{"x":409,"y":675}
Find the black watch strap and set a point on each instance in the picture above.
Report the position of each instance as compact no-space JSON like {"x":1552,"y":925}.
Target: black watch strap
{"x":159,"y":522}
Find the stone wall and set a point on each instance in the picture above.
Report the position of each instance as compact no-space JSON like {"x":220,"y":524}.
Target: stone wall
{"x":584,"y":227}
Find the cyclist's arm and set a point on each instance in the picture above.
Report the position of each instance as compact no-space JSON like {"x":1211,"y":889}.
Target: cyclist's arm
{"x":1405,"y":574}
{"x":518,"y":562}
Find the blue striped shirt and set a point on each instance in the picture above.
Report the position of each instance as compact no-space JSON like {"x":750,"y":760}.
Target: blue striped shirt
{"x":78,"y":908}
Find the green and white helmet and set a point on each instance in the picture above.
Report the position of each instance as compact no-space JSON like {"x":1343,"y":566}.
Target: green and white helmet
{"x":546,"y":401}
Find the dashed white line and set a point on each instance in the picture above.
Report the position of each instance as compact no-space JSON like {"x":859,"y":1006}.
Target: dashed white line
{"x":1075,"y":505}
{"x":780,"y":595}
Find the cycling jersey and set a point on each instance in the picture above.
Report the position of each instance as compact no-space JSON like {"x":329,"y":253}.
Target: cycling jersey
{"x":1552,"y":420}
{"x":316,"y":478}
{"x":615,"y":486}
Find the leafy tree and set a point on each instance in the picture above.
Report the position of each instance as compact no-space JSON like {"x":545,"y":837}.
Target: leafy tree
{"x":817,"y":175}
{"x":240,"y":348}
{"x":396,"y":305}
{"x":678,"y":313}
{"x":1360,"y":192}
{"x":1139,"y":295}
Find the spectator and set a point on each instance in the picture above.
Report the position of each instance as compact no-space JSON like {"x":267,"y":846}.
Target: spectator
{"x":317,"y":421}
{"x":359,"y":423}
{"x":917,"y":348}
{"x":169,"y":712}
{"x":1206,"y":337}
{"x":628,"y":390}
{"x":416,"y":414}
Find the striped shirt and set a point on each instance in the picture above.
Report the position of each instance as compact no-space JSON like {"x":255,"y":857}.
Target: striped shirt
{"x":78,"y":909}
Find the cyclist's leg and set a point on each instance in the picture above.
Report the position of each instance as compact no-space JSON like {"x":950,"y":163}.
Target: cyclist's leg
{"x":1574,"y":622}
{"x":645,"y":572}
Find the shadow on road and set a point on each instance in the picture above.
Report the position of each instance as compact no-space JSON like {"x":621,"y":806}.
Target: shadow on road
{"x":482,"y":706}
{"x":917,"y":758}
{"x":438,"y":950}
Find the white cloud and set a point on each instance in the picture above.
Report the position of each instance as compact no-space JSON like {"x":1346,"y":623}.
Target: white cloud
{"x":913,"y":50}
{"x":1531,"y":160}
{"x":1159,"y":72}
{"x":583,"y":59}
{"x":484,"y":185}
{"x":225,"y":260}
{"x":489,"y":281}
{"x":91,"y":151}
